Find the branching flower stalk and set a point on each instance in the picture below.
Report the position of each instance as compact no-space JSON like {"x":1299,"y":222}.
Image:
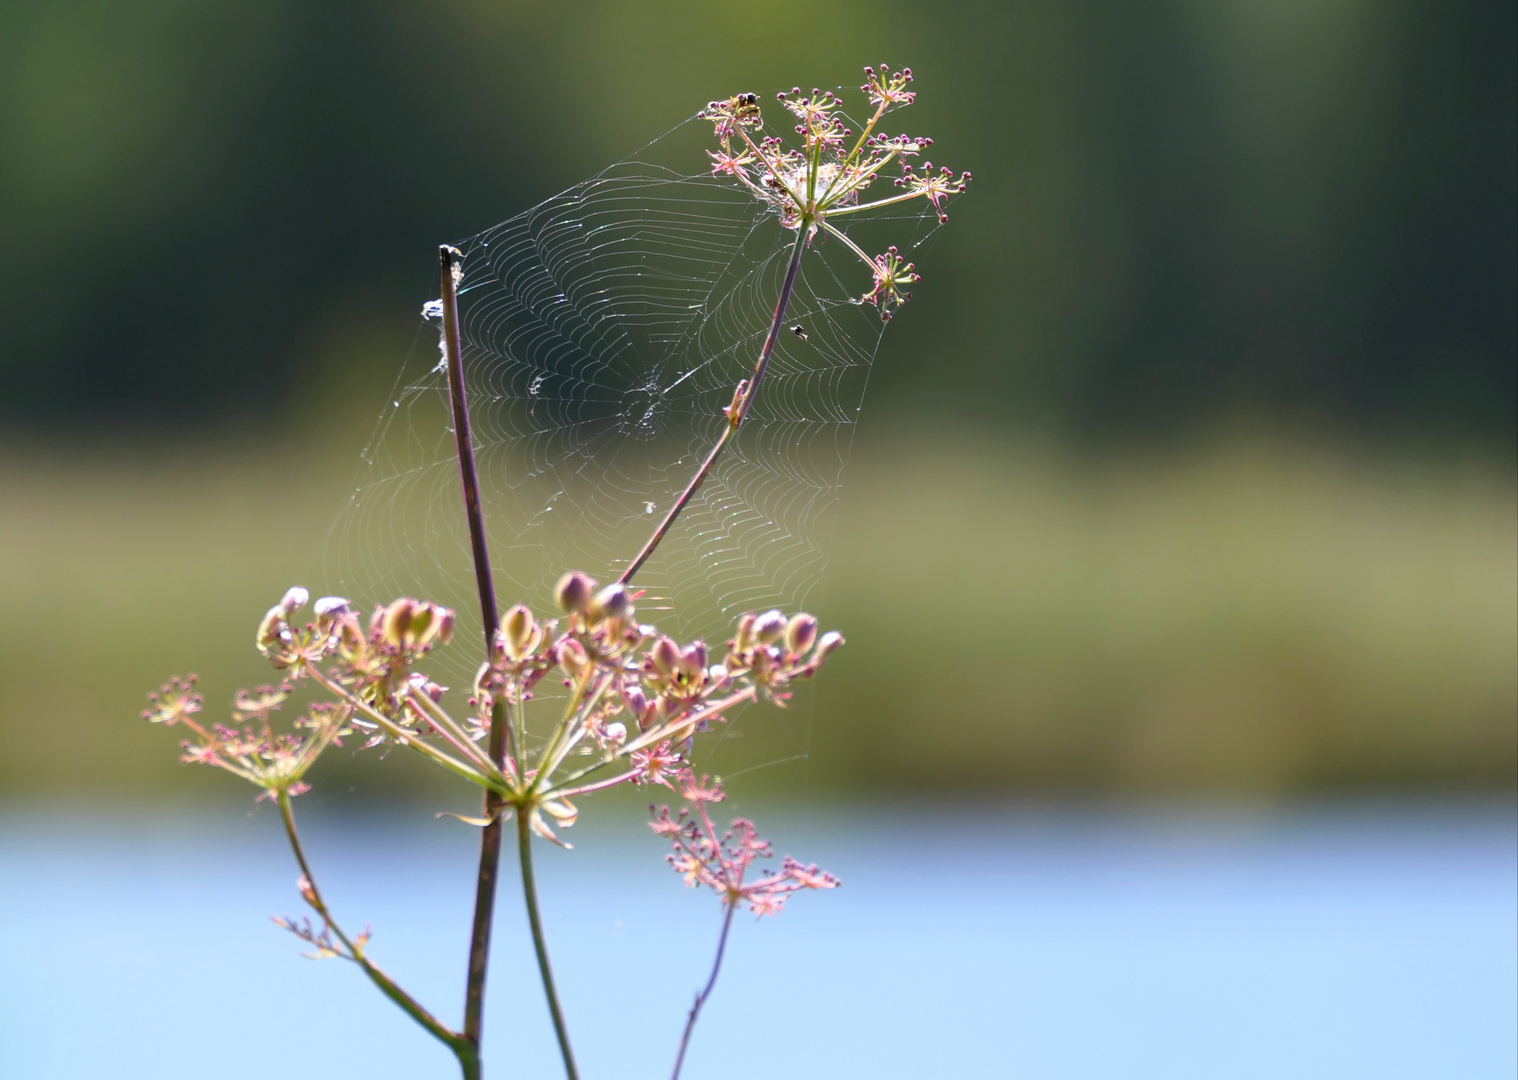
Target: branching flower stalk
{"x":721,"y":863}
{"x":637,"y":700}
{"x":807,"y":187}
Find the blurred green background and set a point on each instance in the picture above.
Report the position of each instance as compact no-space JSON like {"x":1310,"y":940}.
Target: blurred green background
{"x":1189,"y":469}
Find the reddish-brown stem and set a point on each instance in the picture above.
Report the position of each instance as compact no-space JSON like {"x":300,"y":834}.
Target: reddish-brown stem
{"x":695,"y":1009}
{"x":490,"y":836}
{"x":735,"y":415}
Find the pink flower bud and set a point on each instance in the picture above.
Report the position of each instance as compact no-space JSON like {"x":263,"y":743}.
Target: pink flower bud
{"x":612,"y":602}
{"x":800,"y":633}
{"x":571,"y":655}
{"x":769,"y":626}
{"x":270,"y":631}
{"x":830,"y":641}
{"x":573,"y":592}
{"x":397,"y":620}
{"x":444,"y":625}
{"x":664,"y":656}
{"x":520,"y":632}
{"x":693,"y":658}
{"x":329,"y":609}
{"x":295,"y":599}
{"x":482,"y":679}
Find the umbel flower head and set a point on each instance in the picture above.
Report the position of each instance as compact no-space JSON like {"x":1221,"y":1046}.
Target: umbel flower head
{"x":829,"y":175}
{"x":638,"y":698}
{"x":721,"y":862}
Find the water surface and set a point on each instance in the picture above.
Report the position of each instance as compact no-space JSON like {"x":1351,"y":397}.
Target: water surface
{"x":1007,"y":941}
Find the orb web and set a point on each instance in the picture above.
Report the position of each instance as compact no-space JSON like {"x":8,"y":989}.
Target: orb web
{"x":604,"y":331}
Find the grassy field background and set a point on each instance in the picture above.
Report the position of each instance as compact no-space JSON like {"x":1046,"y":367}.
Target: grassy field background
{"x":1248,"y":614}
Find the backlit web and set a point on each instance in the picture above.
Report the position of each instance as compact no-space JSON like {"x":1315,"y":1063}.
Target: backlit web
{"x":604,"y":331}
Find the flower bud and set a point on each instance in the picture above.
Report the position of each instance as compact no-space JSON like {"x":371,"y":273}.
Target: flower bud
{"x":616,"y":734}
{"x":520,"y":631}
{"x":571,"y":656}
{"x":664,"y":656}
{"x":295,"y":599}
{"x":612,"y":602}
{"x":397,"y":620}
{"x":573,"y":592}
{"x":426,"y":686}
{"x":329,"y":609}
{"x":421,"y":629}
{"x":830,"y":641}
{"x":270,"y":631}
{"x":745,"y":634}
{"x":444,"y":625}
{"x":482,"y":679}
{"x":768,"y":627}
{"x":693,"y":659}
{"x":800,"y":633}
{"x":303,"y":883}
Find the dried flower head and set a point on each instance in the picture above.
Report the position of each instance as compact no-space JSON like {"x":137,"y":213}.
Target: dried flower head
{"x":830,"y":173}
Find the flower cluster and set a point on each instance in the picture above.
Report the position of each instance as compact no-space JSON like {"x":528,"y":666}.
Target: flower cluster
{"x":721,"y":862}
{"x":830,"y":173}
{"x":636,"y":697}
{"x":251,"y":748}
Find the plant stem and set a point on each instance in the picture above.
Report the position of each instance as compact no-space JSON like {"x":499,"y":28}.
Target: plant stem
{"x":736,"y":414}
{"x":695,"y":1009}
{"x":462,"y":1047}
{"x":490,"y":836}
{"x":530,"y":890}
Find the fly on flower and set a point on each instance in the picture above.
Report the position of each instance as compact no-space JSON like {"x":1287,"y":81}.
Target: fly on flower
{"x":832,"y":171}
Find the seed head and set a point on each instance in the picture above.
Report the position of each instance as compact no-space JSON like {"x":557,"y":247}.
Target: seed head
{"x":573,"y":592}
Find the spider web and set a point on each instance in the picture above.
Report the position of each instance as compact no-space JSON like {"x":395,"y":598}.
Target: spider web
{"x":604,"y":331}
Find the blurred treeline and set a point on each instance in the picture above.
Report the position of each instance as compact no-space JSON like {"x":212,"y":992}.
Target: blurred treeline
{"x":1189,"y":467}
{"x":1304,"y":207}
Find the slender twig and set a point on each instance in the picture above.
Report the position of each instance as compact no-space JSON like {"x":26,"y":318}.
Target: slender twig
{"x":463,"y":1048}
{"x":735,"y":414}
{"x":490,"y":836}
{"x":695,"y":1009}
{"x":530,"y":891}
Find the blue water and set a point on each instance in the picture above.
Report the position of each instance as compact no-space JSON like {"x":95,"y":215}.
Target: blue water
{"x":1348,"y":941}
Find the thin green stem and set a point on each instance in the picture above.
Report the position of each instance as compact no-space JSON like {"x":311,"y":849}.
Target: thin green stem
{"x":462,"y":1048}
{"x":874,"y":205}
{"x":404,"y":737}
{"x":530,"y":891}
{"x":855,"y":248}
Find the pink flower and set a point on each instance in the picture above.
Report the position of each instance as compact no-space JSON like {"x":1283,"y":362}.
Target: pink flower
{"x":721,"y":863}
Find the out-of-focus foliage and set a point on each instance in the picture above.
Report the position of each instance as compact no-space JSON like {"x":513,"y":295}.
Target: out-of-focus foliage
{"x":1242,"y":617}
{"x":1187,"y":219}
{"x":1301,"y":208}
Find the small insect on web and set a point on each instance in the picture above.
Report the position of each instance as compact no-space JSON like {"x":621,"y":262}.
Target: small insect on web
{"x":603,"y":333}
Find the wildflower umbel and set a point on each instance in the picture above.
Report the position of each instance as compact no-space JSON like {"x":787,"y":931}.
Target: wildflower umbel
{"x":721,"y":862}
{"x":638,"y":700}
{"x":831,"y":172}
